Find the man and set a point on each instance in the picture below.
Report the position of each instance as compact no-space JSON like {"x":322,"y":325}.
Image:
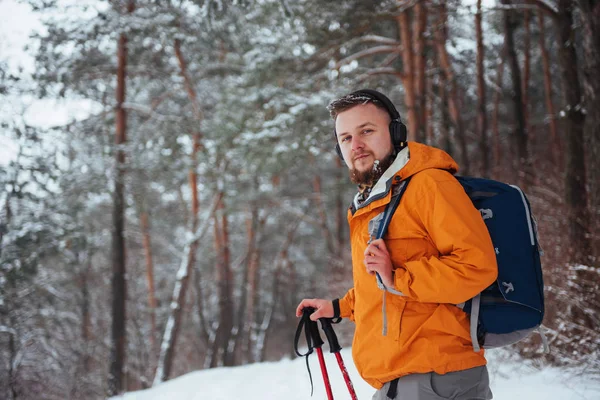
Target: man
{"x":410,"y":339}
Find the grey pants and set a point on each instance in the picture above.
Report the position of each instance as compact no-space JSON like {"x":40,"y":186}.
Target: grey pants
{"x":469,"y":384}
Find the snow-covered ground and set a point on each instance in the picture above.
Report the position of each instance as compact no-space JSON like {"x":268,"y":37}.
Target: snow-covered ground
{"x":288,"y":379}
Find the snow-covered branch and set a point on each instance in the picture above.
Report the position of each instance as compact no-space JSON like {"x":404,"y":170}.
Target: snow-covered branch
{"x":381,"y":71}
{"x":6,"y":329}
{"x":382,"y":40}
{"x":543,"y":5}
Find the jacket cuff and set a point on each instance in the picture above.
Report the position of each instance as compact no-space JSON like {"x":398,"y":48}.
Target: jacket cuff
{"x":345,"y":309}
{"x":336,"y":308}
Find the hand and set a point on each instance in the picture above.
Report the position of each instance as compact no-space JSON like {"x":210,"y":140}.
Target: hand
{"x":377,"y":259}
{"x":323,"y":308}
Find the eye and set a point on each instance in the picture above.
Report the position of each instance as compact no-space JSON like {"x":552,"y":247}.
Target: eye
{"x":367,"y":131}
{"x":345,"y":139}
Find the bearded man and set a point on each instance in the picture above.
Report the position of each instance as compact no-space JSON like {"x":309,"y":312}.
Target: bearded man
{"x":411,"y":341}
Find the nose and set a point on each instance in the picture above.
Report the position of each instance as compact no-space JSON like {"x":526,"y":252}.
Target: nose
{"x":357,"y":144}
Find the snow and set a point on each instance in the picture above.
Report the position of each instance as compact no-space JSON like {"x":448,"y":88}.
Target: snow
{"x":288,"y":379}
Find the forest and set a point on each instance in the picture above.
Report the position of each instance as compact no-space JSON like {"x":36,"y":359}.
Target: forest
{"x":177,"y":224}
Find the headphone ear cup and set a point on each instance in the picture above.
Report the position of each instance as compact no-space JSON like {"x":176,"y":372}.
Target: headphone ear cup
{"x":339,"y":152}
{"x":398,"y":133}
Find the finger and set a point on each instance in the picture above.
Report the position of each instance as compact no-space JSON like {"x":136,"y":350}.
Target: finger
{"x":378,"y":257}
{"x":316,"y":315}
{"x":299,"y":310}
{"x":304,"y":303}
{"x":373,"y":250}
{"x":371,"y":262}
{"x":380,"y":244}
{"x":373,"y":266}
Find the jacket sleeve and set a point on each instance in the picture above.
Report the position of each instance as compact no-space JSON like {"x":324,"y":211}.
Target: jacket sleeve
{"x":347,"y":305}
{"x":466,"y":263}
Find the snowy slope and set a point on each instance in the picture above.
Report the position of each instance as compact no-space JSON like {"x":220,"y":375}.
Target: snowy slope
{"x":288,"y":379}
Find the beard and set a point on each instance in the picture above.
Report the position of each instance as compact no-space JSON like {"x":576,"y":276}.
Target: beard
{"x":371,"y":176}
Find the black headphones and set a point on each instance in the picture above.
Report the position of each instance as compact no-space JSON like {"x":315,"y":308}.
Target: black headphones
{"x":397,"y":127}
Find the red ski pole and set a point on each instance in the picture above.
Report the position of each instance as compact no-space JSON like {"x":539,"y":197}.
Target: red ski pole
{"x":335,"y":348}
{"x":314,"y":341}
{"x":324,"y":371}
{"x":338,"y":356}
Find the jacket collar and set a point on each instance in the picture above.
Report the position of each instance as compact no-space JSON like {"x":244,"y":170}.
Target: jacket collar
{"x":383,"y":185}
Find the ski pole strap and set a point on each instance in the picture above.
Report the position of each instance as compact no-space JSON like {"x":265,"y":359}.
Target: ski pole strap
{"x":334,"y":345}
{"x":312,"y":337}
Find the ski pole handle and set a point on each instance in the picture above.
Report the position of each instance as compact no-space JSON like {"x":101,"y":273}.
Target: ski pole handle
{"x":311,"y":327}
{"x":334,"y":345}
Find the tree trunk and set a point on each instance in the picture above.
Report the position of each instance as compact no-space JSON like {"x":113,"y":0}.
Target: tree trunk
{"x":408,"y":74}
{"x":282,"y":261}
{"x":169,"y":342}
{"x":340,"y":209}
{"x":241,"y":316}
{"x":86,"y":319}
{"x":203,"y":325}
{"x":116,"y":379}
{"x":7,"y":218}
{"x":225,"y":281}
{"x":205,"y":329}
{"x":481,"y":102}
{"x":251,"y":294}
{"x":321,"y":208}
{"x":263,"y":330}
{"x":453,"y":98}
{"x":224,"y":288}
{"x":555,"y":140}
{"x":575,"y":173}
{"x":420,"y":25}
{"x":429,"y":105}
{"x":12,"y":379}
{"x":520,"y":133}
{"x":526,"y":68}
{"x":189,"y":86}
{"x":183,"y":275}
{"x":497,"y":98}
{"x":446,"y":141}
{"x":149,"y":276}
{"x":590,"y":22}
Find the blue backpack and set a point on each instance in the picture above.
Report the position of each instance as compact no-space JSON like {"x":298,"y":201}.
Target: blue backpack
{"x":513,"y":306}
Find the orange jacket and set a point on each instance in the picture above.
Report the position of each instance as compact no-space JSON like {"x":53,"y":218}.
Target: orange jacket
{"x":442,"y":255}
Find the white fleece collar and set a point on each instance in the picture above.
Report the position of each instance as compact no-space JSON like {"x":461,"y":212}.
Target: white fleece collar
{"x":381,"y":186}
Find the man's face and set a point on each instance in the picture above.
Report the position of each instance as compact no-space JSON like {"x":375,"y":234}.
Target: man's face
{"x":363,"y":133}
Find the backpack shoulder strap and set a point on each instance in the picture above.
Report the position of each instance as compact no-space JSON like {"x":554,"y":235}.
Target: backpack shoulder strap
{"x":378,"y":226}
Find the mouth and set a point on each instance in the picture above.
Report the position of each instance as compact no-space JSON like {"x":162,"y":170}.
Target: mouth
{"x":361,"y":156}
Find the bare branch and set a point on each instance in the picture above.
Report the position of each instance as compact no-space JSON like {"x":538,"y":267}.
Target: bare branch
{"x":367,"y":52}
{"x":149,"y":111}
{"x":389,"y":60}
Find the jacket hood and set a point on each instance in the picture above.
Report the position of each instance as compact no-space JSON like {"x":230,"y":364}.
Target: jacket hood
{"x":424,"y":157}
